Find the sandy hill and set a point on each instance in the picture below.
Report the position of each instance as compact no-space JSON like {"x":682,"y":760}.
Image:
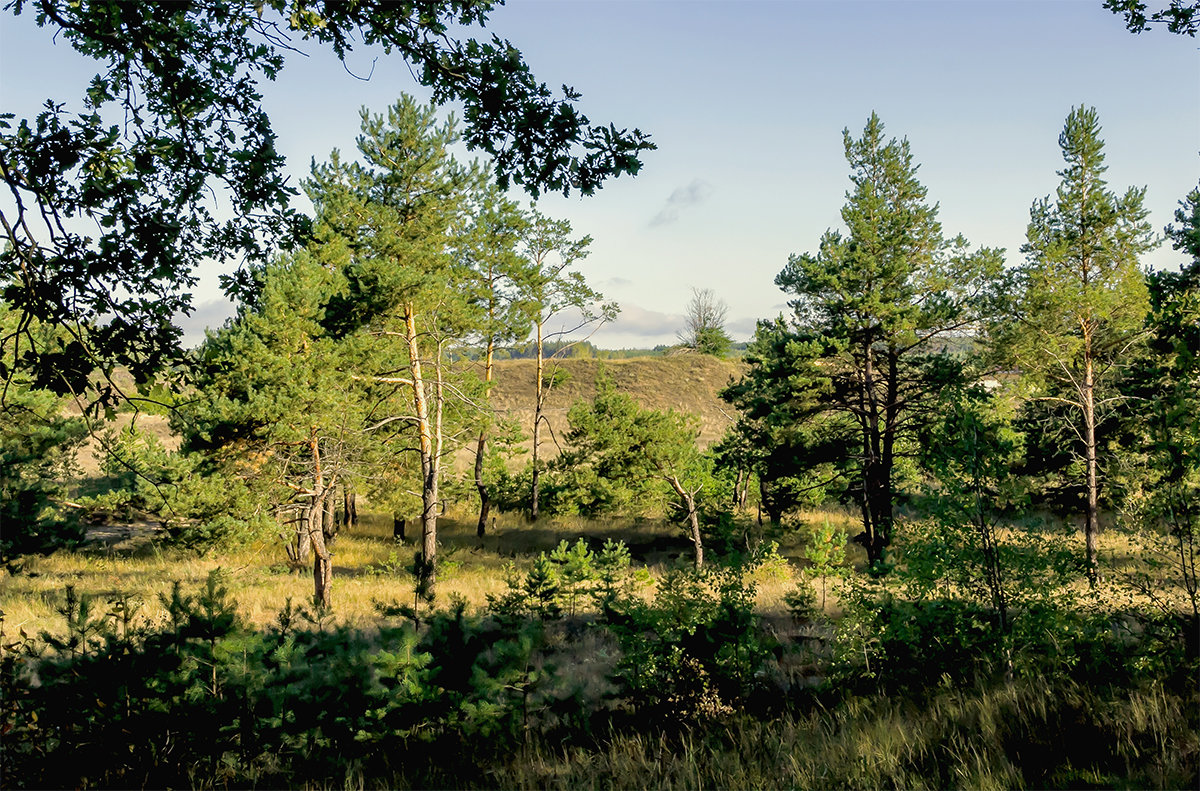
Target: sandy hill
{"x":687,"y":383}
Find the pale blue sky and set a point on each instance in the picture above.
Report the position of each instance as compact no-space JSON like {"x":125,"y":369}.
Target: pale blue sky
{"x":747,"y":101}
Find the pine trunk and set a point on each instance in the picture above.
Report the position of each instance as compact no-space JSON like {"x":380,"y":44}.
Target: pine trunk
{"x":429,"y":529}
{"x":349,"y":508}
{"x":329,"y":525}
{"x":688,"y":501}
{"x":303,"y":548}
{"x":1092,"y":510}
{"x":427,"y":573}
{"x":537,"y":425}
{"x":480,"y":449}
{"x":322,"y":560}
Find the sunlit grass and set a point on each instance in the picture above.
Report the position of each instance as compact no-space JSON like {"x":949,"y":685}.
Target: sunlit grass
{"x":956,"y":739}
{"x":371,"y":567}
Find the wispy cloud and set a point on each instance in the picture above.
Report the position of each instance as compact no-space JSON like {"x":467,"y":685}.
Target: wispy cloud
{"x":684,"y":197}
{"x":634,"y":319}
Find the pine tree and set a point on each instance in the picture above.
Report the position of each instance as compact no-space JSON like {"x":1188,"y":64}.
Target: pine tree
{"x":630,"y":446}
{"x":270,"y":404}
{"x":863,"y":357}
{"x":390,"y":224}
{"x":1081,"y":299}
{"x":490,"y":250}
{"x":550,"y":288}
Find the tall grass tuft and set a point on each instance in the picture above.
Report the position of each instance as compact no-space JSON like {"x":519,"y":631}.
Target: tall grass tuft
{"x":1029,"y":734}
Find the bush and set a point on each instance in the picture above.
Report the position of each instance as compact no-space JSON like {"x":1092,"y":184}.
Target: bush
{"x":202,"y":699}
{"x":198,"y":505}
{"x":37,"y":450}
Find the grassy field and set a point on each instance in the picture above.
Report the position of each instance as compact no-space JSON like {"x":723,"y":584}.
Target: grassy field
{"x":805,"y":727}
{"x":369,"y":566}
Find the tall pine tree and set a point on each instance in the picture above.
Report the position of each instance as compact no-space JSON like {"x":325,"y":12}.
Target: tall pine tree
{"x":390,"y":224}
{"x":1080,"y":301}
{"x":864,"y":355}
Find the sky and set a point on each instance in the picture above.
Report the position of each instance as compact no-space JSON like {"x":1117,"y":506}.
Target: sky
{"x":747,"y":102}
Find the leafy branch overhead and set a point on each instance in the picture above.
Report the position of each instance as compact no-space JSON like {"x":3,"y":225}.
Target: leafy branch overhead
{"x":111,"y":218}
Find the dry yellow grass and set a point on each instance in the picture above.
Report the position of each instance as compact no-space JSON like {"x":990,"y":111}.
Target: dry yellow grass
{"x":686,"y":383}
{"x":369,"y":567}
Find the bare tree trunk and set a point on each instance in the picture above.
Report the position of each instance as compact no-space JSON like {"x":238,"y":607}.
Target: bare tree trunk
{"x":693,"y":518}
{"x":484,"y":501}
{"x":427,"y":573}
{"x":398,"y":523}
{"x":537,"y":425}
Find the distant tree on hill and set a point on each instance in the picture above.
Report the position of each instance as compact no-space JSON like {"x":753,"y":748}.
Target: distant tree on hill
{"x":704,"y":324}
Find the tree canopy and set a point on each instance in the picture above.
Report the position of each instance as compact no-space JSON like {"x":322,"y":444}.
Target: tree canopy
{"x":111,"y":219}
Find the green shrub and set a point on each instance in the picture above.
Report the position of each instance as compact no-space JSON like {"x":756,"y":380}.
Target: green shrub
{"x":37,"y":450}
{"x":198,"y":505}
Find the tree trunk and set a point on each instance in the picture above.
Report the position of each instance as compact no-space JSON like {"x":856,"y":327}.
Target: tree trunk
{"x":303,"y":539}
{"x":427,"y":562}
{"x":329,"y":525}
{"x":322,"y":559}
{"x":688,"y":500}
{"x":349,"y":508}
{"x":1092,"y":509}
{"x":429,"y":529}
{"x":317,"y":510}
{"x":398,"y":523}
{"x":537,"y":425}
{"x":484,"y":501}
{"x":774,"y":512}
{"x":876,"y":465}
